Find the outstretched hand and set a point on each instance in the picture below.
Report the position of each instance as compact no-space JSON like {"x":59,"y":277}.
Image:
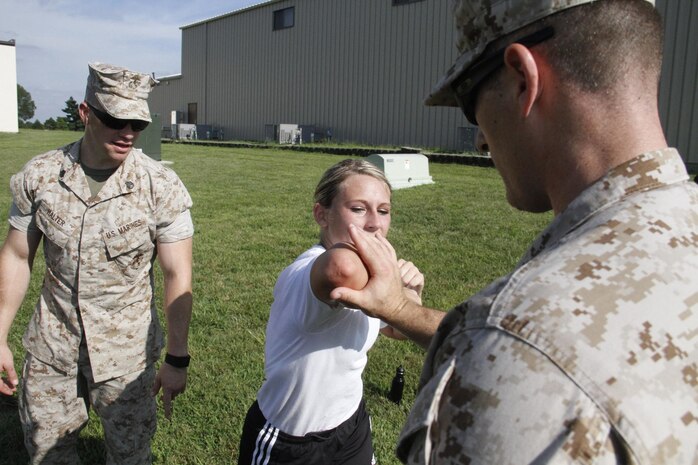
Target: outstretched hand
{"x":383,"y":296}
{"x":173,"y":382}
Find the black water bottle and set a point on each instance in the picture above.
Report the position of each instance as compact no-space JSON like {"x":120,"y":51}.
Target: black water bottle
{"x":397,"y":386}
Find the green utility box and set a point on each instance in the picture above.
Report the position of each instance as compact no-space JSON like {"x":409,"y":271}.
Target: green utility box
{"x":149,"y":140}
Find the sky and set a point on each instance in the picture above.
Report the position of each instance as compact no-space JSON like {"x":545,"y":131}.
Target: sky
{"x":56,"y":39}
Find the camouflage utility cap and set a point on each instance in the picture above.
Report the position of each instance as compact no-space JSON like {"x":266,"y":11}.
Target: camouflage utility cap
{"x":118,"y":91}
{"x":480,"y":22}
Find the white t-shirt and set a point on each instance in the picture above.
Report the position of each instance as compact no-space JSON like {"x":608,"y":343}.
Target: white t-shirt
{"x":315,"y":355}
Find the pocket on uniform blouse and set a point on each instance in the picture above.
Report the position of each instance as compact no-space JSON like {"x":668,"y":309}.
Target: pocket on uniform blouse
{"x":53,"y":225}
{"x":57,"y":230}
{"x":129,"y":246}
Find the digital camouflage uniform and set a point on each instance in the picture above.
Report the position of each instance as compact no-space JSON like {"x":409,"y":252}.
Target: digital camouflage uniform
{"x":98,"y":290}
{"x":588,"y":351}
{"x":98,"y":287}
{"x":99,"y":253}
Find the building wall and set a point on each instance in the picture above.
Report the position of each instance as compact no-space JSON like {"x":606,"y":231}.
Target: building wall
{"x":359,"y":67}
{"x":363,"y":67}
{"x":167,"y":97}
{"x":678,"y":93}
{"x":8,"y":87}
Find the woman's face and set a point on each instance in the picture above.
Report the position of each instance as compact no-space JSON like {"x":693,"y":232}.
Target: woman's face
{"x":361,"y":200}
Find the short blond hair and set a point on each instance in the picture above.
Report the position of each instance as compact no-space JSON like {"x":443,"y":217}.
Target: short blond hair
{"x":327,"y":188}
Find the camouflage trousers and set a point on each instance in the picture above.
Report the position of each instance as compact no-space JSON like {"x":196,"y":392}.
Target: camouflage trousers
{"x":54,"y":407}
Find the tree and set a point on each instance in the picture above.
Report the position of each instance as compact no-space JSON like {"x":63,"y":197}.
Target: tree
{"x":72,"y":115}
{"x":25,"y":104}
{"x":37,"y":124}
{"x":50,"y":124}
{"x":61,"y":123}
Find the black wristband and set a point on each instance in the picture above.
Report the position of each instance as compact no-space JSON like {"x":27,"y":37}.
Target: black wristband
{"x":177,"y":362}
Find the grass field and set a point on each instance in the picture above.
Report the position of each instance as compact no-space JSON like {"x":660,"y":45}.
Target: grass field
{"x":252,"y":214}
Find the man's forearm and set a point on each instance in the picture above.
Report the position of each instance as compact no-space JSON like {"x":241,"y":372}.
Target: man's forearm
{"x":416,"y":322}
{"x":176,"y":264}
{"x":178,"y":309}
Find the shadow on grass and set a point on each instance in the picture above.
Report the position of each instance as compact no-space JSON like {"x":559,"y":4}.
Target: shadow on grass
{"x":375,"y":389}
{"x":91,"y":450}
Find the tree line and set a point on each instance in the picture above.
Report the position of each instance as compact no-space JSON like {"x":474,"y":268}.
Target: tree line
{"x":26,"y":108}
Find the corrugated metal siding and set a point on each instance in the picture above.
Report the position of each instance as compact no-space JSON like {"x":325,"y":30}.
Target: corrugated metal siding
{"x":678,"y":96}
{"x":195,"y":59}
{"x":363,"y":67}
{"x":360,"y":67}
{"x":167,"y":98}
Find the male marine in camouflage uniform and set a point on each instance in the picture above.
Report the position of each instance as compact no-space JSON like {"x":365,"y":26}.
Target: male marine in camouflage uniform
{"x":105,"y":211}
{"x":587,"y":352}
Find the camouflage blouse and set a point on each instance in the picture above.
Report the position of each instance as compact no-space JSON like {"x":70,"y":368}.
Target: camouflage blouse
{"x":99,"y":252}
{"x":587,"y":352}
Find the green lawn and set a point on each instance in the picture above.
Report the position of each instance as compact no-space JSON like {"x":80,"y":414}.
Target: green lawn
{"x":252,"y":214}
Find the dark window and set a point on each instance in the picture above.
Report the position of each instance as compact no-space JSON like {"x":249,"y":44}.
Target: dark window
{"x":284,"y":19}
{"x":405,"y":2}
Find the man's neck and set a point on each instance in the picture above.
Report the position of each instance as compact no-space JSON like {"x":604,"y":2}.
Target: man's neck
{"x":599,"y":137}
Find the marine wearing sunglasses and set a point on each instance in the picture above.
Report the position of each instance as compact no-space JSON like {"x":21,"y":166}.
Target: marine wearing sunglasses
{"x":117,"y":124}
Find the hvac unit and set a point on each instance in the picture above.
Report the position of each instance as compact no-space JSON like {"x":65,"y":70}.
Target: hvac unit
{"x":300,"y":133}
{"x":403,"y":169}
{"x":271,"y":133}
{"x":289,"y":134}
{"x":186,"y":131}
{"x":467,"y":136}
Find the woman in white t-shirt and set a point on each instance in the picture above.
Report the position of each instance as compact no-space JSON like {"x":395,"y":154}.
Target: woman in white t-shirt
{"x":310,"y":408}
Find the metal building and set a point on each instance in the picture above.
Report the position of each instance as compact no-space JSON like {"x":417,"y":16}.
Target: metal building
{"x":678,"y":92}
{"x":358,"y":70}
{"x":8,"y":87}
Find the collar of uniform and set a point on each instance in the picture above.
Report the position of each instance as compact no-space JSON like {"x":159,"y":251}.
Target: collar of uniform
{"x":71,"y":174}
{"x":649,"y":170}
{"x":127,"y":173}
{"x":123,"y":181}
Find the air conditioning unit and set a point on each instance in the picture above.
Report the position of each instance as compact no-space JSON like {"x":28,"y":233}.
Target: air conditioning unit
{"x":403,"y":169}
{"x":290,"y":134}
{"x":186,"y":131}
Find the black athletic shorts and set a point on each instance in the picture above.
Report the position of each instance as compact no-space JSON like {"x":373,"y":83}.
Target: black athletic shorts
{"x":349,"y":443}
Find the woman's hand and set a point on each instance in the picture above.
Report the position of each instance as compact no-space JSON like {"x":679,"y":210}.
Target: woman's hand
{"x":412,"y":278}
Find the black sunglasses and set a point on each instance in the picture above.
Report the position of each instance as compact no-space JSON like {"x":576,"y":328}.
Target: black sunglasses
{"x":118,"y":124}
{"x":465,"y":86}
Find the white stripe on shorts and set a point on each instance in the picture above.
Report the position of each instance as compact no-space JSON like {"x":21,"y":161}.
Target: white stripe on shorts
{"x":264,"y":444}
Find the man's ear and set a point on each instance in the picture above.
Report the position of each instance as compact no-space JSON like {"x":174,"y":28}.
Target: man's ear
{"x":519,"y":59}
{"x":320,"y":214}
{"x":83,"y":111}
